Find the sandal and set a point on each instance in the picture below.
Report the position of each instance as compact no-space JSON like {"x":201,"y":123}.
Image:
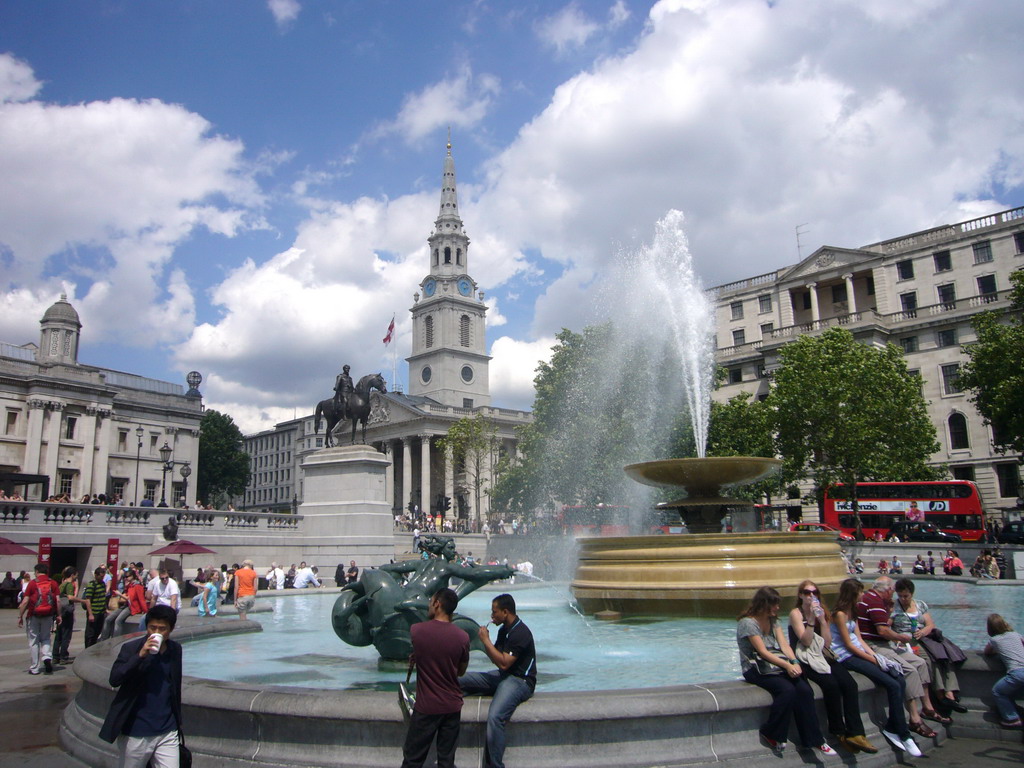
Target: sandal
{"x":931,"y":714}
{"x":922,"y":730}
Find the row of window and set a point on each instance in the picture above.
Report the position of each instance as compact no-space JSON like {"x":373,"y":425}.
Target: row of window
{"x":448,"y":256}
{"x":943,"y":260}
{"x":947,"y":337}
{"x":259,"y":462}
{"x":946,"y":293}
{"x":274,"y":476}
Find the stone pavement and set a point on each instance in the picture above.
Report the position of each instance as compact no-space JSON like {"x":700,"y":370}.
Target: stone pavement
{"x":31,"y":706}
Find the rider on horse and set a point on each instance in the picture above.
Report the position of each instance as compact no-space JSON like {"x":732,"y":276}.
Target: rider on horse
{"x":342,"y":389}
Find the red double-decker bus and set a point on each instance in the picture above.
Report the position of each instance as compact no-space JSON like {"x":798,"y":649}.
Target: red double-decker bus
{"x":596,"y":520}
{"x":954,"y":506}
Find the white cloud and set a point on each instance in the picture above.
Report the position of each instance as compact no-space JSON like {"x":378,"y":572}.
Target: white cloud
{"x":462,"y":100}
{"x":568,"y":28}
{"x":513,"y":368}
{"x":107,"y":190}
{"x":17,"y":80}
{"x":285,"y":11}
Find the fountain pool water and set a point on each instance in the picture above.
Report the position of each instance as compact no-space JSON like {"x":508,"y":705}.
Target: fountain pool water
{"x":298,"y":648}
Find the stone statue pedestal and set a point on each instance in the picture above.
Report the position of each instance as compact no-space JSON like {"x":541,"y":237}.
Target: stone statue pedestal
{"x":346,"y":514}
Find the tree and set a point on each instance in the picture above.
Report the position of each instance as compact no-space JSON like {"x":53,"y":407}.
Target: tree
{"x":743,"y":427}
{"x":994,"y":371}
{"x":471,"y":445}
{"x":845,"y":412}
{"x":223,"y":465}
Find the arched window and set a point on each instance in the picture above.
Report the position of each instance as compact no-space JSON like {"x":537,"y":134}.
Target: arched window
{"x":958,"y":439}
{"x":428,"y":327}
{"x":464,"y":330}
{"x":447,"y":255}
{"x":435,"y":257}
{"x":458,"y":256}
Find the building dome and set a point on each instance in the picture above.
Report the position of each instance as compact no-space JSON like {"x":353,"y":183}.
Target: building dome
{"x":62,"y":312}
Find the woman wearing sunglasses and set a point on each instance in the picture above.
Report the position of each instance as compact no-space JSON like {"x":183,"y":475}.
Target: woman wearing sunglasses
{"x":810,"y":636}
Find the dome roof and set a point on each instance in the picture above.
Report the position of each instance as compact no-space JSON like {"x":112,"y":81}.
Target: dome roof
{"x":62,"y":311}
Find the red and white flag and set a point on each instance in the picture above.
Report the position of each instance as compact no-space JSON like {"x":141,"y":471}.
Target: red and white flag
{"x":391,"y":331}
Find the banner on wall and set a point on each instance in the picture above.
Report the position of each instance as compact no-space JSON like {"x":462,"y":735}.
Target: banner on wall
{"x":113,"y":548}
{"x":45,"y":549}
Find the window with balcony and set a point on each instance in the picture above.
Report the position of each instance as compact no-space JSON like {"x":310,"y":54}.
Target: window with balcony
{"x":958,"y":440}
{"x":766,"y":330}
{"x":951,"y":379}
{"x":735,"y":375}
{"x":908,"y":301}
{"x":764,"y":303}
{"x":739,"y":337}
{"x":905,"y":270}
{"x":982,"y":252}
{"x":736,"y":308}
{"x":1009,"y":480}
{"x":839,"y":293}
{"x":943,"y":261}
{"x":987,"y":287}
{"x":909,"y":344}
{"x":1018,"y":242}
{"x":946,"y":337}
{"x":947,"y":295}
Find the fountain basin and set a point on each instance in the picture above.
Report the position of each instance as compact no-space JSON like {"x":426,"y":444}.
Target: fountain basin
{"x":703,"y":478}
{"x":710,"y":575}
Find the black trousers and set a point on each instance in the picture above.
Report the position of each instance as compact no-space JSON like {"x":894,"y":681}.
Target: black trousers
{"x":842,"y":702}
{"x":422,"y":729}
{"x":94,"y":628}
{"x":792,"y":698}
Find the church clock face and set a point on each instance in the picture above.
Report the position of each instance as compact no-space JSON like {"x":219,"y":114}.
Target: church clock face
{"x":465,"y":287}
{"x":429,"y":287}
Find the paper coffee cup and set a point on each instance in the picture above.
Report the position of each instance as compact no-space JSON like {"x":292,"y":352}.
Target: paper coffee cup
{"x":159,"y":642}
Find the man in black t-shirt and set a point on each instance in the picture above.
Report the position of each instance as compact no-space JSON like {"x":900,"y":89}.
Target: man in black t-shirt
{"x":514,"y":680}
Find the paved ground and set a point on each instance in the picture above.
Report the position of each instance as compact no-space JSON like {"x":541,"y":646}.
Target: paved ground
{"x":31,"y":705}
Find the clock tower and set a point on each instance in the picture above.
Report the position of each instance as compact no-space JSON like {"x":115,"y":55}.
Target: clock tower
{"x":449,"y":361}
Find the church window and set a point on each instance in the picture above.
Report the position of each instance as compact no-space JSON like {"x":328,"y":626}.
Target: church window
{"x":447,"y":255}
{"x":458,"y":256}
{"x":467,"y":374}
{"x":464,"y":330}
{"x":425,"y":374}
{"x":435,"y":257}
{"x":428,"y":327}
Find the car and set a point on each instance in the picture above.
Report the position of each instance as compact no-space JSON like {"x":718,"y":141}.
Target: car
{"x":819,"y":528}
{"x":1012,"y":533}
{"x":912,"y":530}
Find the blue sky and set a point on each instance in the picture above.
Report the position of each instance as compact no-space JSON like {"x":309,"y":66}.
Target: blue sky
{"x":246,"y":188}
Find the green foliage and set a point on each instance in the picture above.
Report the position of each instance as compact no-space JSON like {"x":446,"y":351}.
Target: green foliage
{"x":845,"y":412}
{"x":472,"y":445}
{"x":743,"y":427}
{"x":223,"y":465}
{"x":994,"y":372}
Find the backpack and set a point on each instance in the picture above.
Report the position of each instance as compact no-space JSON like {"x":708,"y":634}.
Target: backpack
{"x":46,"y":601}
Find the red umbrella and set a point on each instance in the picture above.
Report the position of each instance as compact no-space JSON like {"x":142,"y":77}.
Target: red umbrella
{"x":8,"y":547}
{"x":182,"y":547}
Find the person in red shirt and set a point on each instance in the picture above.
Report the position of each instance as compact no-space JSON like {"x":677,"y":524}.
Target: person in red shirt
{"x":40,"y":604}
{"x":873,"y":620}
{"x":440,"y":651}
{"x":245,"y":588}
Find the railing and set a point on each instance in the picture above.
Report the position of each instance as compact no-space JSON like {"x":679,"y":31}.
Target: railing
{"x":737,"y":349}
{"x":22,"y":514}
{"x":951,"y":232}
{"x":130,"y":380}
{"x":750,"y":282}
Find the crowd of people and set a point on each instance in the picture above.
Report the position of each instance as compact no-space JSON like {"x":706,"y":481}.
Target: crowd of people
{"x":883,"y":633}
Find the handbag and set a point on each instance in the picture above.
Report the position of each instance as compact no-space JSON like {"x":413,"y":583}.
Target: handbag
{"x":893,"y":668}
{"x":184,"y":753}
{"x":941,"y":648}
{"x":406,"y":699}
{"x":813,"y":655}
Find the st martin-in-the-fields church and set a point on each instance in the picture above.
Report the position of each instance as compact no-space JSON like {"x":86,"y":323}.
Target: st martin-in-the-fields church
{"x":448,"y":381}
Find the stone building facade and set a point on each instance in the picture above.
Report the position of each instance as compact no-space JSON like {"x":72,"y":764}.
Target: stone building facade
{"x":919,"y":291}
{"x":449,"y":380}
{"x":78,"y":429}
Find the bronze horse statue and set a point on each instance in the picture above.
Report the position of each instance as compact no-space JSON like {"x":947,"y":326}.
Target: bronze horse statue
{"x":358,"y":408}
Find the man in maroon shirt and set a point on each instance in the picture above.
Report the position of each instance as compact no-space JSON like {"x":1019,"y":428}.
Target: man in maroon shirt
{"x":440,"y":651}
{"x":873,"y":614}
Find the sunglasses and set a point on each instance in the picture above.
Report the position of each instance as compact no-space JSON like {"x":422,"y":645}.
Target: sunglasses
{"x":814,"y":592}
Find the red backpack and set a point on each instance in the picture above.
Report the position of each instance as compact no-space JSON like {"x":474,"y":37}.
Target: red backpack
{"x":46,"y":600}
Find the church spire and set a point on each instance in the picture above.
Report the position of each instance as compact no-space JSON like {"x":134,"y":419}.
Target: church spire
{"x":449,"y":244}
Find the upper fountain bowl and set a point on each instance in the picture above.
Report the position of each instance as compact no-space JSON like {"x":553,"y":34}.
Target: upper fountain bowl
{"x":702,"y":478}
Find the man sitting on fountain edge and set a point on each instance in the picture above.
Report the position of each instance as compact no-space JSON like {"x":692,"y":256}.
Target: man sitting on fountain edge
{"x":512,"y":683}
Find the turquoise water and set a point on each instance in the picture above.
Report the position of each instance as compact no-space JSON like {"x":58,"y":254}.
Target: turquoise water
{"x":298,"y":647}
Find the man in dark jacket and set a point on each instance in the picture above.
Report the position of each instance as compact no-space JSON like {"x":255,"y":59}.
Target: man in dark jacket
{"x":145,"y":716}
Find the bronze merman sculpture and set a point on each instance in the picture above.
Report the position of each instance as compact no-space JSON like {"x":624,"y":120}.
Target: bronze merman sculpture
{"x":379,"y":609}
{"x":358,"y":404}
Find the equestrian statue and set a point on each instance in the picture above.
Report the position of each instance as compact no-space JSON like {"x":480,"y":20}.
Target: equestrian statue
{"x":349,"y":402}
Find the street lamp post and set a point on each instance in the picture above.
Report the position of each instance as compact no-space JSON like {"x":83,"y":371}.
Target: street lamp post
{"x":185,"y":471}
{"x":139,"y":432}
{"x":168,"y":466}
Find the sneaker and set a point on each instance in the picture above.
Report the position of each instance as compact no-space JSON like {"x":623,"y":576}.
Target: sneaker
{"x":777,"y":747}
{"x":1011,"y":723}
{"x":861,"y":742}
{"x":48,"y":665}
{"x":34,"y":671}
{"x":826,"y":750}
{"x":895,"y":740}
{"x":911,"y":746}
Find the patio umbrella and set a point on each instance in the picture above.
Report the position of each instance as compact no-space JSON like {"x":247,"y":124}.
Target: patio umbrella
{"x":182,"y":547}
{"x":8,"y":547}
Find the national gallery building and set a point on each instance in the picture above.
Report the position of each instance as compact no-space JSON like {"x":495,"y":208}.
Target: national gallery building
{"x":919,"y":291}
{"x":448,"y":381}
{"x":76,"y":429}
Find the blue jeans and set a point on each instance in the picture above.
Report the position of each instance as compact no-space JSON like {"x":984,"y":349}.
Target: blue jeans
{"x":1005,"y":691}
{"x":895,"y":689}
{"x":508,"y":692}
